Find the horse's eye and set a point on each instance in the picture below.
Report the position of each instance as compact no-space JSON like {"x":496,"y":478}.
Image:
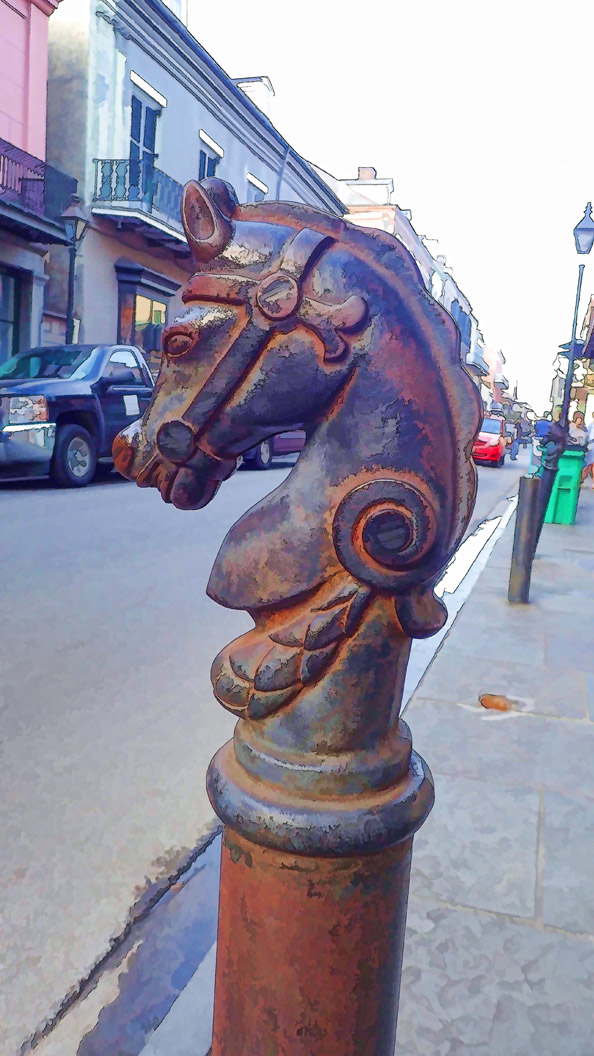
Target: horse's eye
{"x":175,"y":344}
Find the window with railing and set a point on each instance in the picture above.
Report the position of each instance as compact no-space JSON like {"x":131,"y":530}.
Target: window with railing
{"x":31,"y":185}
{"x":140,"y":185}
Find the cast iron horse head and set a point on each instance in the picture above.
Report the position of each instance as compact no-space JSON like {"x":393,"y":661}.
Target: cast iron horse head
{"x":297,"y":318}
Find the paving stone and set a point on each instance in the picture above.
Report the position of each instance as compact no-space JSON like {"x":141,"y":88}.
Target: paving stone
{"x":479,"y":985}
{"x":578,"y":645}
{"x":560,"y":692}
{"x":478,"y":847}
{"x":560,"y":603}
{"x":480,"y":632}
{"x":510,"y":747}
{"x":589,"y":680}
{"x":568,"y":872}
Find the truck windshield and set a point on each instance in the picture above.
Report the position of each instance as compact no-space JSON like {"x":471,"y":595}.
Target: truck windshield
{"x":49,"y":363}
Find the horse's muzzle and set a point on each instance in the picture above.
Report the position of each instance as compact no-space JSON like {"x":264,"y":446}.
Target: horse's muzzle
{"x":124,"y":450}
{"x":185,"y":475}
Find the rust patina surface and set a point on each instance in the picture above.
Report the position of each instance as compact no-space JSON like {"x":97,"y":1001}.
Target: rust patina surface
{"x":297,"y":318}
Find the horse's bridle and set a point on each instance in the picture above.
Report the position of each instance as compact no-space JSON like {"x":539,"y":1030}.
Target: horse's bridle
{"x":280,"y":305}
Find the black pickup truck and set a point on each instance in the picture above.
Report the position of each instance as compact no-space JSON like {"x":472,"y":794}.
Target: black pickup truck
{"x":61,"y":407}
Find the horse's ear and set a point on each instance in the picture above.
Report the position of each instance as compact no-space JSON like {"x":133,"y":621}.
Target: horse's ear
{"x":207,"y":230}
{"x":222,"y":194}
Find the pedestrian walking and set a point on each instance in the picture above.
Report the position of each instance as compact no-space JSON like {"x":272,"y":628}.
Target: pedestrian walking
{"x":578,"y":433}
{"x":542,"y":426}
{"x":524,"y":432}
{"x":588,"y":470}
{"x":515,"y":444}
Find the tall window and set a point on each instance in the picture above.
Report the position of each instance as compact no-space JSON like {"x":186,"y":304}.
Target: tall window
{"x":256,"y":190}
{"x":208,"y":163}
{"x":254,"y":194}
{"x":463,"y":321}
{"x":210,"y":155}
{"x":9,"y":310}
{"x":143,"y":130}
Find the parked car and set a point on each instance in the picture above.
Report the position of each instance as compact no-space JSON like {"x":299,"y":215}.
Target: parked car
{"x":61,"y":407}
{"x":491,"y":442}
{"x":287,"y":443}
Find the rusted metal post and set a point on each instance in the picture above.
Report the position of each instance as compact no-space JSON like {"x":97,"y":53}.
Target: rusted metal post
{"x":545,"y":490}
{"x":295,"y":317}
{"x":553,"y":445}
{"x":524,"y":534}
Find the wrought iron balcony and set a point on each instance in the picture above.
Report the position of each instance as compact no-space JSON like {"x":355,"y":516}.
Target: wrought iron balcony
{"x":138,"y":187}
{"x":29,"y":189}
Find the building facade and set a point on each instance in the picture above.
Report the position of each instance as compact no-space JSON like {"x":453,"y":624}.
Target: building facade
{"x":369,"y":203}
{"x":582,"y":387}
{"x":138,"y":108}
{"x":33,"y":195}
{"x":496,"y":380}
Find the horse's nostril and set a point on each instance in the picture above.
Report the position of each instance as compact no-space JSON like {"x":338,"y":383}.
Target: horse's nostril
{"x":175,"y":441}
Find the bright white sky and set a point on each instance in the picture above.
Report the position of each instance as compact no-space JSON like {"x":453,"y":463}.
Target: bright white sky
{"x":478,"y":111}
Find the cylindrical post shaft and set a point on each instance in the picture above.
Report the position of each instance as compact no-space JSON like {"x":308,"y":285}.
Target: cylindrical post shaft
{"x":70,"y":304}
{"x":545,"y":490}
{"x":571,"y":353}
{"x":309,"y":951}
{"x":524,"y":536}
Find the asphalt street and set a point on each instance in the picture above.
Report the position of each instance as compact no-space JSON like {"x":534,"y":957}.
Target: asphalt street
{"x":108,"y":716}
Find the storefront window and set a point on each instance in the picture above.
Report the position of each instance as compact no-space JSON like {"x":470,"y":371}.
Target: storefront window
{"x":9,"y":290}
{"x":150,"y":317}
{"x":143,"y":299}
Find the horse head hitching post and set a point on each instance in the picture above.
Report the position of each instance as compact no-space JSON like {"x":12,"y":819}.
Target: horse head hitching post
{"x":297,"y":318}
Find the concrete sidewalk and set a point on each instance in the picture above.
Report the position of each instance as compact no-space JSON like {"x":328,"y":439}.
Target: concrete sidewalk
{"x":499,"y":958}
{"x":500,"y":949}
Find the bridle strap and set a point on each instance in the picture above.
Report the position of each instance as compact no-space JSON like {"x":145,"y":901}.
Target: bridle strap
{"x":301,"y":252}
{"x":298,"y":255}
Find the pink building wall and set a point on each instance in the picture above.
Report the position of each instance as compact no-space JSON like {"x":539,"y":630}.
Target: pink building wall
{"x":23,"y":72}
{"x":495,"y":361}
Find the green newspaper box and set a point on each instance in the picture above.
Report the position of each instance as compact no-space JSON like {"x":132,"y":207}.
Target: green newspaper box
{"x":566,"y":489}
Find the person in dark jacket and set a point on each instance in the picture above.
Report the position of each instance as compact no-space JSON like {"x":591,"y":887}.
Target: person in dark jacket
{"x":515,"y":444}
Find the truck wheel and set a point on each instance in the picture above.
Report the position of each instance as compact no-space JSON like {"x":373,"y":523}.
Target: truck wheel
{"x":75,"y":457}
{"x":263,"y":455}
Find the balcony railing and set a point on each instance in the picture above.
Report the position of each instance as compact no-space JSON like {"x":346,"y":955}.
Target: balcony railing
{"x":31,"y":185}
{"x":138,"y":185}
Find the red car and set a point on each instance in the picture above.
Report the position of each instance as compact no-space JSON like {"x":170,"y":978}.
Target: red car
{"x":260,"y":457}
{"x":491,"y":442}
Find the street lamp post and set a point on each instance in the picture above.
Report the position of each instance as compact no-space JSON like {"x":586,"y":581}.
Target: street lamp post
{"x":584,"y":239}
{"x":75,"y":221}
{"x":555,"y":441}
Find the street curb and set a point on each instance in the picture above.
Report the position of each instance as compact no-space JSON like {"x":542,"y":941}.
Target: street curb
{"x":122,"y":943}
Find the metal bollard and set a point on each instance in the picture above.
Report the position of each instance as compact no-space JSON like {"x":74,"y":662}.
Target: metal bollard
{"x":295,"y":317}
{"x":547,"y":483}
{"x":552,"y":445}
{"x":524,"y":540}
